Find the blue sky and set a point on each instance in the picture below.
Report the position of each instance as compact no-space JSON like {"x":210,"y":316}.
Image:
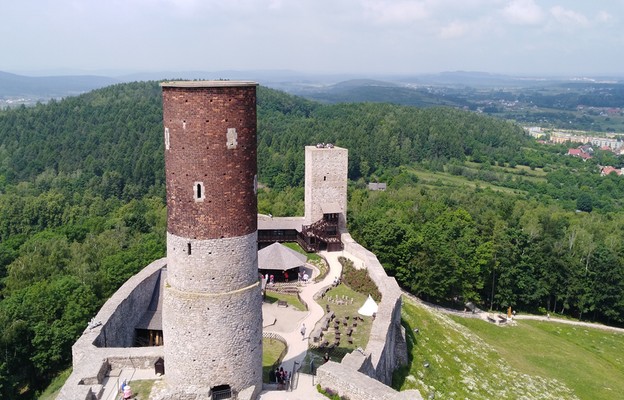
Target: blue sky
{"x":518,"y":37}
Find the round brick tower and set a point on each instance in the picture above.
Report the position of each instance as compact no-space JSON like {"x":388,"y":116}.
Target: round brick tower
{"x":212,"y":306}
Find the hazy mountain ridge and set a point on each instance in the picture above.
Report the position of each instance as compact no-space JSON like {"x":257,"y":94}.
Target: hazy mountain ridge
{"x":54,"y":86}
{"x":46,"y":87}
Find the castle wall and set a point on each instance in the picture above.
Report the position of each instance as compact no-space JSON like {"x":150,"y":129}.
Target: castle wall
{"x":118,"y":328}
{"x":356,"y":386}
{"x":91,"y":359}
{"x":325,"y":182}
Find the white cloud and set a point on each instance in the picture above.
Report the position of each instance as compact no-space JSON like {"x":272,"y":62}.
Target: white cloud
{"x":568,"y":17}
{"x":388,"y":11}
{"x":453,"y":30}
{"x":523,"y":12}
{"x":604,"y":16}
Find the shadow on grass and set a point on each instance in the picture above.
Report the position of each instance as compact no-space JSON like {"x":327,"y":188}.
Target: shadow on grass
{"x":401,"y":373}
{"x":273,"y":352}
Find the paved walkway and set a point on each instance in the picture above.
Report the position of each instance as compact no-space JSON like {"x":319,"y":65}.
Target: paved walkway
{"x":298,"y":346}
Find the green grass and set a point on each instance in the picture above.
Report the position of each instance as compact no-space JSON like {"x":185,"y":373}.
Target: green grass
{"x":141,"y":389}
{"x":272,"y":352}
{"x":291,"y":299}
{"x":589,"y":361}
{"x":295,"y":246}
{"x":55,"y":387}
{"x":524,"y":171}
{"x":446,"y":179}
{"x":462,"y":366}
{"x":360,"y":333}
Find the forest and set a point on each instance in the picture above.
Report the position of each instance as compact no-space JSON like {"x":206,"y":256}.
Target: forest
{"x":475,"y":210}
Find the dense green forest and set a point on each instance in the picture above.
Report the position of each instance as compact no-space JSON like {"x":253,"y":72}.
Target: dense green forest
{"x":82,"y":209}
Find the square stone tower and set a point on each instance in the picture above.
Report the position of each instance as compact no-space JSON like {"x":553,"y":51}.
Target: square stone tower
{"x":212,"y":305}
{"x":326,"y":183}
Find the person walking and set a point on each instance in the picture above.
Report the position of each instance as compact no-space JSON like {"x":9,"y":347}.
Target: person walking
{"x":303,"y":331}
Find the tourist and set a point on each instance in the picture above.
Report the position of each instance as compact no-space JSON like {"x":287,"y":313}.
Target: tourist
{"x":303,"y":331}
{"x":281,"y":378}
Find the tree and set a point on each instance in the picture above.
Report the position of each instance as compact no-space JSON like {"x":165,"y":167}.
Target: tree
{"x":584,"y":202}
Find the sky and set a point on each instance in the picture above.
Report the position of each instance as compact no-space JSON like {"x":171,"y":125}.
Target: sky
{"x":362,"y":37}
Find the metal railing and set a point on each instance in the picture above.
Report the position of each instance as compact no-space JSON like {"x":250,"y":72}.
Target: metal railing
{"x":222,"y":394}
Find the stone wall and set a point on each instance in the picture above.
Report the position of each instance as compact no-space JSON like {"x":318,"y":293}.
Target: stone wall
{"x":119,"y":317}
{"x":229,"y":328}
{"x":325,"y":182}
{"x":386,"y":333}
{"x":214,"y":265}
{"x":107,"y":346}
{"x":357,"y":386}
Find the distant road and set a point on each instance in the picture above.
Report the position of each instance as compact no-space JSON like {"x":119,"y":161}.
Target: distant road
{"x":570,"y":322}
{"x":481,"y":315}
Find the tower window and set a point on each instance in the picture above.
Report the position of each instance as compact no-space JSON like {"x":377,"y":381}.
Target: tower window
{"x":188,"y":248}
{"x":198,"y":191}
{"x":325,"y":178}
{"x":167,"y":138}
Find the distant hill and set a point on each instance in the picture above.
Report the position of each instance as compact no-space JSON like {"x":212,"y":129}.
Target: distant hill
{"x":375,"y":91}
{"x":47,"y":87}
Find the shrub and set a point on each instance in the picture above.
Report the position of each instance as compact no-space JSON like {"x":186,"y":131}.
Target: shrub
{"x":358,"y":279}
{"x":329,"y":393}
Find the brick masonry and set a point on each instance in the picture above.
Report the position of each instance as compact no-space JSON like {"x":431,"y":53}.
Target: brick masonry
{"x":197,"y":118}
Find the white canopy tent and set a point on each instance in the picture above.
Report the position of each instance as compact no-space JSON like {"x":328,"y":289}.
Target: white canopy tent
{"x":369,"y":307}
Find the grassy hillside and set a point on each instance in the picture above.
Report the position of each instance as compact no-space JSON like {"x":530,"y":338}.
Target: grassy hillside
{"x":589,"y":361}
{"x":472,"y":359}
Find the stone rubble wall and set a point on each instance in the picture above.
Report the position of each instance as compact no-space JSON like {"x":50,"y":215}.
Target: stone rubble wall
{"x":108,"y":346}
{"x":386,"y":332}
{"x":325,"y":182}
{"x":357,"y":386}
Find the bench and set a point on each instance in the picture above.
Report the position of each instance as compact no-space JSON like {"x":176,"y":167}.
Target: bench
{"x":282,"y":303}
